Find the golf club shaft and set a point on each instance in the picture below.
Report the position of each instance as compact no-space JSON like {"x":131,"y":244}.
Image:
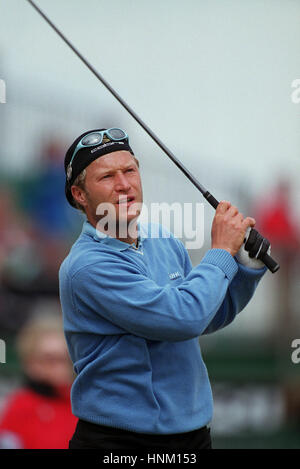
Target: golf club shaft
{"x":122,"y":102}
{"x":268,"y":261}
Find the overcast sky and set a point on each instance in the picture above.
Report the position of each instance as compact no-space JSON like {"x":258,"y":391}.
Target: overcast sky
{"x":211,"y":78}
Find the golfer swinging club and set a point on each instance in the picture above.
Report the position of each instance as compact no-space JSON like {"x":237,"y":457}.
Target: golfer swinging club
{"x":132,"y":328}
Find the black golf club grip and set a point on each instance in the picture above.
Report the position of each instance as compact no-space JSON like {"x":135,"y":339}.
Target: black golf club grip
{"x":269,"y":262}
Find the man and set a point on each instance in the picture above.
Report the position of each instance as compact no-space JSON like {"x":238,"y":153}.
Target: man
{"x":131,"y":327}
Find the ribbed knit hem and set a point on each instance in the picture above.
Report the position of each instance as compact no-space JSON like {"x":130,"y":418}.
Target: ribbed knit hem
{"x":222,"y":259}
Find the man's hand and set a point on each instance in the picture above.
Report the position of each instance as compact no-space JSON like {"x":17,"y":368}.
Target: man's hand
{"x":229,"y":228}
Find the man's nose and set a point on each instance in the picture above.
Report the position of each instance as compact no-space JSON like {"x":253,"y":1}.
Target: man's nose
{"x":121,"y":183}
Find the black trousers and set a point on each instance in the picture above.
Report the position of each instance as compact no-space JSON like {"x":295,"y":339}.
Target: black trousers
{"x":91,"y":436}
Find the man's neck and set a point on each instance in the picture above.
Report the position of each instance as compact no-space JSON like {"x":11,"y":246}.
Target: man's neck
{"x":127,"y":234}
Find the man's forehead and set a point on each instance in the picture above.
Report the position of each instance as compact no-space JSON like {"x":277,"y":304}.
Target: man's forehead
{"x":113,"y":160}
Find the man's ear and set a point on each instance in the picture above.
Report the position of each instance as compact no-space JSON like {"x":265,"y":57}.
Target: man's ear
{"x":79,"y":195}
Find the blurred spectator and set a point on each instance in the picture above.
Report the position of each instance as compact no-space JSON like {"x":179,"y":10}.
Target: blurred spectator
{"x":38,"y":416}
{"x":13,"y":224}
{"x":34,"y":236}
{"x":15,"y":238}
{"x":28,"y":265}
{"x":275,"y":220}
{"x":45,"y":199}
{"x":35,"y":221}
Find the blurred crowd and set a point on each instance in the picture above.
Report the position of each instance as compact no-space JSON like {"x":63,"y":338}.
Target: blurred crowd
{"x":37,"y":228}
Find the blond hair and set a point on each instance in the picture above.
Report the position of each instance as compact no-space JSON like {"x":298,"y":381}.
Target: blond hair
{"x":38,"y":326}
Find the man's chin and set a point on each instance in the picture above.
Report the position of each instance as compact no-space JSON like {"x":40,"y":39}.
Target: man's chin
{"x":128,"y":215}
{"x":110,"y":218}
{"x":127,"y":221}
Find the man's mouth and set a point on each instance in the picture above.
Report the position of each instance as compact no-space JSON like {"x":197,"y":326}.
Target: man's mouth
{"x":125,"y":200}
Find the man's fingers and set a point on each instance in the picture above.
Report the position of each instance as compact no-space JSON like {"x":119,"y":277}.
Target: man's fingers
{"x":223,"y":207}
{"x":249,"y":222}
{"x":233,"y":211}
{"x":240,"y":217}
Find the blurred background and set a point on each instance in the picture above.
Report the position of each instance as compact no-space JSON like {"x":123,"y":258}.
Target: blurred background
{"x":213,"y":80}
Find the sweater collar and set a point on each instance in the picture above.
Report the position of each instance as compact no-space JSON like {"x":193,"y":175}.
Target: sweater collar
{"x":108,"y":240}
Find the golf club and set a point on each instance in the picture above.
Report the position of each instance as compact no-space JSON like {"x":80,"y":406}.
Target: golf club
{"x":269,"y":262}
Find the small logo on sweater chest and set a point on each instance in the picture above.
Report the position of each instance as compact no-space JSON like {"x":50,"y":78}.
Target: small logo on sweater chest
{"x":174,"y":275}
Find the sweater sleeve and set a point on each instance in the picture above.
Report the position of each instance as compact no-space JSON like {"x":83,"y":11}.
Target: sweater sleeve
{"x":238,"y":295}
{"x":122,"y":293}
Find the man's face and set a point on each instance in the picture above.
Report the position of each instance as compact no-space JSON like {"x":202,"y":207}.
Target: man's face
{"x":113,"y":179}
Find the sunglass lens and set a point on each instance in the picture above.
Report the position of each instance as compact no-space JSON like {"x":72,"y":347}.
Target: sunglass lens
{"x":92,"y":139}
{"x":116,"y":134}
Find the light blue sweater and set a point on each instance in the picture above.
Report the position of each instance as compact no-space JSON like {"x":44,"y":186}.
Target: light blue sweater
{"x":132,"y":318}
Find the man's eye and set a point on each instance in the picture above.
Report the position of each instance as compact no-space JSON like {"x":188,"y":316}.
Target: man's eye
{"x":106,"y":176}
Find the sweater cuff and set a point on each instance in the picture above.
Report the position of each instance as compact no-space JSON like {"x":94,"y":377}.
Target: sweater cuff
{"x":222,"y":259}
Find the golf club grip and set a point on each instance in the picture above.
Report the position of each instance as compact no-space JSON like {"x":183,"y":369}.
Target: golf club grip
{"x":269,"y":262}
{"x":211,"y":200}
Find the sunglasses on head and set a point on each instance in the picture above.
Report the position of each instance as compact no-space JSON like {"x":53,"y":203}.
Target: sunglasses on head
{"x":96,"y":138}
